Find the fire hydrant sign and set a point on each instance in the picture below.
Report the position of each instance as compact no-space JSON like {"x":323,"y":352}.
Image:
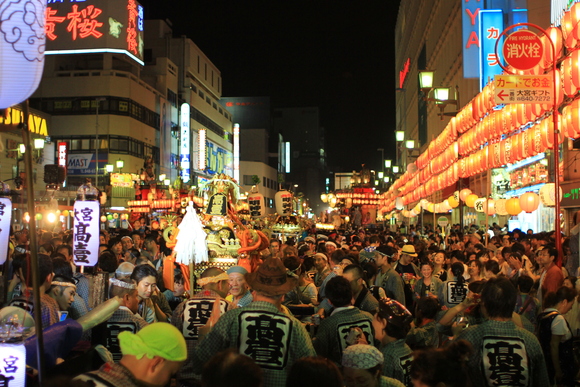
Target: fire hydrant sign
{"x":523,"y":89}
{"x":523,"y":50}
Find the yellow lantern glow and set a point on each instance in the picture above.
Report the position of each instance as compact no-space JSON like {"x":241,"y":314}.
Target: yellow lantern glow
{"x":512,"y":206}
{"x":470,"y":200}
{"x":453,"y":203}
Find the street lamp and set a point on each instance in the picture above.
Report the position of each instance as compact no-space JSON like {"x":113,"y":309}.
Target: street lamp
{"x":388,"y":163}
{"x":441,"y":94}
{"x":120,"y":164}
{"x":109,"y":168}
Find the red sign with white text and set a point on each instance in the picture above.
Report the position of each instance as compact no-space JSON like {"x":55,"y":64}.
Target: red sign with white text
{"x":523,"y":50}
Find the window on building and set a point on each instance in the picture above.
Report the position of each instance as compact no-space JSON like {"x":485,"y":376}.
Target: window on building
{"x":248,"y":180}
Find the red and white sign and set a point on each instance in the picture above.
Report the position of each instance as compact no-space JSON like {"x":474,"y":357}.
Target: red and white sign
{"x":62,"y":154}
{"x":523,"y":50}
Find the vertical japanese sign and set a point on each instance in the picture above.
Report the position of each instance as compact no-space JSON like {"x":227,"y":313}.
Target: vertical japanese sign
{"x":5,"y":217}
{"x":490,"y":27}
{"x":12,"y":365}
{"x":63,"y":155}
{"x":470,"y":37}
{"x":201,"y":144}
{"x":217,"y":205}
{"x":86,"y":233}
{"x":185,"y":141}
{"x":237,"y":152}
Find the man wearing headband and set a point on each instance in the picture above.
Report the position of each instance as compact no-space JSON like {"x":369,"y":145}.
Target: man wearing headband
{"x":261,"y":330}
{"x":49,"y":308}
{"x":194,"y":313}
{"x":150,"y":357}
{"x":126,"y":290}
{"x":62,"y":290}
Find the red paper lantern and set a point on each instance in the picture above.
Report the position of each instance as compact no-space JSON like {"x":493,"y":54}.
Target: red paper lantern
{"x":555,"y":35}
{"x":529,"y":202}
{"x":566,"y":74}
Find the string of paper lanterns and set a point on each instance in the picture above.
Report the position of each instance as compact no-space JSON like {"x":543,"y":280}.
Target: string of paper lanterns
{"x":479,"y":137}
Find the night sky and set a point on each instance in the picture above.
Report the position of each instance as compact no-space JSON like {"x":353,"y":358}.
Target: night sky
{"x":337,"y":55}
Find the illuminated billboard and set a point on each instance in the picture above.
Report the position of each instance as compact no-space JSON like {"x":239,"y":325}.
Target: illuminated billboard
{"x":91,"y":26}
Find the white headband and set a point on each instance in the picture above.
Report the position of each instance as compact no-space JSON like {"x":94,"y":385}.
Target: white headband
{"x":65,"y":284}
{"x":122,"y":284}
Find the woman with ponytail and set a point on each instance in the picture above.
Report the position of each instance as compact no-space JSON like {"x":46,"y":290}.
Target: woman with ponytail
{"x":455,"y":288}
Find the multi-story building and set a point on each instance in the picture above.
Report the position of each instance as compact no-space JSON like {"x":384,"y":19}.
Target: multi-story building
{"x":259,"y":155}
{"x":301,"y":130}
{"x":445,"y":37}
{"x":115,"y":92}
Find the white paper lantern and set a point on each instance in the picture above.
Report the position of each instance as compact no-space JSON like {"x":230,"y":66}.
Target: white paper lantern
{"x":500,"y":207}
{"x":256,"y":204}
{"x":399,"y":203}
{"x":86,"y":233}
{"x":13,"y":366}
{"x":283,"y":201}
{"x":548,"y":194}
{"x":479,"y":205}
{"x":22,"y":44}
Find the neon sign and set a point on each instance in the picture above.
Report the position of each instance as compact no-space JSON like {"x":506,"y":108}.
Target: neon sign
{"x":95,"y":26}
{"x":184,"y":152}
{"x":36,"y":124}
{"x":201,"y":144}
{"x":62,"y":155}
{"x":404,"y":72}
{"x":237,"y":152}
{"x":470,"y":23}
{"x":490,"y":26}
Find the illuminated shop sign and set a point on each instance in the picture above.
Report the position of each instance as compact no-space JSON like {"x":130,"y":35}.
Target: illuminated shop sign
{"x":490,"y":27}
{"x":95,"y":26}
{"x":470,"y":27}
{"x":218,"y":159}
{"x":185,"y":140}
{"x":36,"y":124}
{"x":237,"y":152}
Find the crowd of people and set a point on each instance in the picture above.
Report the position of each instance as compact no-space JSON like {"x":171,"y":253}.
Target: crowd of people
{"x":369,"y":307}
